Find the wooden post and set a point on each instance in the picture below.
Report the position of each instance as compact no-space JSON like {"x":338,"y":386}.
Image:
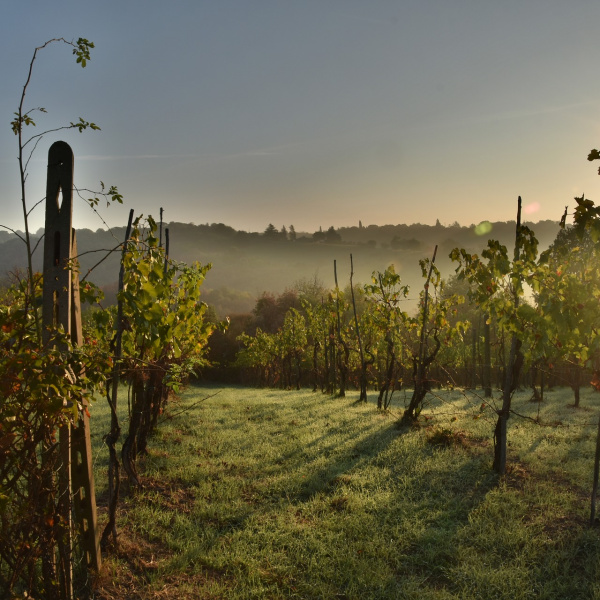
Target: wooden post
{"x":61,"y":307}
{"x":474,"y":358}
{"x":339,"y":363}
{"x":82,"y":471}
{"x":596,"y":472}
{"x":56,"y":308}
{"x":161,"y":228}
{"x":511,"y":376}
{"x":363,"y":366}
{"x":487,"y":367}
{"x":114,"y":477}
{"x":56,"y":311}
{"x":166,"y":249}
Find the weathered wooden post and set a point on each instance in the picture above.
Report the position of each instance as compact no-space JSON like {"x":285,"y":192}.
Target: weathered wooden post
{"x":487,"y":360}
{"x":166,"y":249}
{"x":61,"y":307}
{"x":82,"y":485}
{"x":513,"y":369}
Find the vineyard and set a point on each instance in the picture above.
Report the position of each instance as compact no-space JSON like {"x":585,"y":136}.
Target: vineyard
{"x":389,"y":407}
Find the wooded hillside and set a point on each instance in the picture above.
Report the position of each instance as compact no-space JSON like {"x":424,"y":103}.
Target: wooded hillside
{"x":247,"y":263}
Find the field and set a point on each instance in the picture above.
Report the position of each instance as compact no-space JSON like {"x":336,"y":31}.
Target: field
{"x":273,"y":494}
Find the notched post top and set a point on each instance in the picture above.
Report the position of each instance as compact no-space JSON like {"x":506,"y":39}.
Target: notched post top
{"x":60,"y":177}
{"x":56,"y":303}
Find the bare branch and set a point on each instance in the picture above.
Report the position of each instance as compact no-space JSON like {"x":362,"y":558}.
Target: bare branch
{"x":13,"y":231}
{"x":35,"y":205}
{"x":32,"y":151}
{"x":78,"y":191}
{"x":108,"y":253}
{"x":39,"y":135}
{"x":37,"y":243}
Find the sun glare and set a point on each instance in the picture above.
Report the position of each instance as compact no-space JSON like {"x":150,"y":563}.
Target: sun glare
{"x":483,"y":228}
{"x":532,"y":208}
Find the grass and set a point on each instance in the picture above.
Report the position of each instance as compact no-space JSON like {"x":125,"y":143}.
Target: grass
{"x":270,"y":494}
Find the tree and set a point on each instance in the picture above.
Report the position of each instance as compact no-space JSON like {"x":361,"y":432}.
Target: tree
{"x":311,"y":289}
{"x":271,"y":232}
{"x":332,"y":236}
{"x":400,"y":243}
{"x":270,"y":311}
{"x":319,"y":236}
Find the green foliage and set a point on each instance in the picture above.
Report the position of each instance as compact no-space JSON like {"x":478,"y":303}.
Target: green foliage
{"x":495,"y":281}
{"x":556,"y":317}
{"x":43,"y":387}
{"x":259,"y":350}
{"x":569,"y":296}
{"x":82,"y":125}
{"x":294,"y":333}
{"x":427,"y":332}
{"x":25,"y":119}
{"x":390,"y":336}
{"x":164,"y":317}
{"x":82,"y":51}
{"x":587,"y":217}
{"x":384,"y":329}
{"x":276,"y":356}
{"x":386,"y":292}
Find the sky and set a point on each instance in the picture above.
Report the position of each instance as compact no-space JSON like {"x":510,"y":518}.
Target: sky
{"x":310,"y":113}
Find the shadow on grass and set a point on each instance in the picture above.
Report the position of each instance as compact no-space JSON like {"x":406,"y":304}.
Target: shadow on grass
{"x":346,"y":457}
{"x":394,"y":511}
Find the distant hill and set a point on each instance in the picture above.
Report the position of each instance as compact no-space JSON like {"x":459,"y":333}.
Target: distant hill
{"x":247,"y":264}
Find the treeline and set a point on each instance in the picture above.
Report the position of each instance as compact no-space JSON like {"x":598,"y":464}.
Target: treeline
{"x":245,"y":263}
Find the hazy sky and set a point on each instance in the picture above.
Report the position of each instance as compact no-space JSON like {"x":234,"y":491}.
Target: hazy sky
{"x":312,"y":112}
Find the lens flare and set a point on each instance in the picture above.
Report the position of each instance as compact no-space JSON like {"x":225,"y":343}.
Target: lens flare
{"x":483,"y":228}
{"x":532,"y":208}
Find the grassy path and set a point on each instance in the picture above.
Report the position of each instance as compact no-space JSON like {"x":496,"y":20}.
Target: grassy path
{"x":269,"y":494}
